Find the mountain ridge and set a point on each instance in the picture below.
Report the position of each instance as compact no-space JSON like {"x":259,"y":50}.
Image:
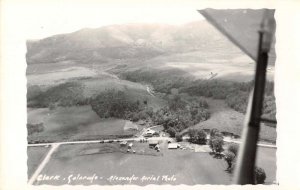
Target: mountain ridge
{"x":135,"y":40}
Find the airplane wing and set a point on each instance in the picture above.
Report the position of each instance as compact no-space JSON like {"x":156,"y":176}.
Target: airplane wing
{"x":241,"y":27}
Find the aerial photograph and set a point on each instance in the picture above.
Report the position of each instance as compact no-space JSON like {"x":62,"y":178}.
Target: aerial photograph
{"x":143,"y":103}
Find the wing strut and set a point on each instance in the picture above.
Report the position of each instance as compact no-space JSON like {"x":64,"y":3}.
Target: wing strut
{"x":244,"y":171}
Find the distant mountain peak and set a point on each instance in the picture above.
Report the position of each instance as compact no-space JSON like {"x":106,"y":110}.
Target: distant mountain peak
{"x":133,"y":40}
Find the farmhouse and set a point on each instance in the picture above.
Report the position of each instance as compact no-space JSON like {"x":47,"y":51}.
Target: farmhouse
{"x":150,"y":133}
{"x":123,"y":143}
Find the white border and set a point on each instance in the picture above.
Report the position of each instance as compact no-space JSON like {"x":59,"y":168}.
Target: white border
{"x":15,"y":16}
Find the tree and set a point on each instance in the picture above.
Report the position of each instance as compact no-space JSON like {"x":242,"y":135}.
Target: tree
{"x":213,"y":132}
{"x":51,"y":106}
{"x":171,"y":131}
{"x":217,"y":144}
{"x":229,"y":158}
{"x":142,"y":115}
{"x":260,"y":175}
{"x":149,"y":111}
{"x":178,"y":137}
{"x":202,"y":115}
{"x":192,"y":134}
{"x":135,"y":117}
{"x":201,"y":137}
{"x":203,"y":103}
{"x":216,"y":141}
{"x":197,"y":136}
{"x":234,"y":148}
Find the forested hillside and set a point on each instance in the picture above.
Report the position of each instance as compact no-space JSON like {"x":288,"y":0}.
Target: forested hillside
{"x":235,"y":94}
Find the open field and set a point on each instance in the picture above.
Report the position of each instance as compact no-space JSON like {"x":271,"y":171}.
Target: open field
{"x":74,"y":123}
{"x":41,"y":68}
{"x":186,"y":166}
{"x":234,"y":71}
{"x":226,"y":119}
{"x":97,"y":85}
{"x":234,"y":67}
{"x":59,"y":76}
{"x":35,"y":157}
{"x":70,"y":162}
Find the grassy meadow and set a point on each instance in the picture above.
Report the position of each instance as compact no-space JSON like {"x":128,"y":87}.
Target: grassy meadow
{"x":74,"y":123}
{"x":106,"y":160}
{"x":186,"y":166}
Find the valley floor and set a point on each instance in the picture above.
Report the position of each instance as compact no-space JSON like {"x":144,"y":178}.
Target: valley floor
{"x":107,"y":160}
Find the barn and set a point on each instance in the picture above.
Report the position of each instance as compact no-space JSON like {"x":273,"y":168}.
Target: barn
{"x":153,"y":143}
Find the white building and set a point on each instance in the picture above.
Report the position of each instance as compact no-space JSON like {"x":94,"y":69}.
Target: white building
{"x":173,"y":145}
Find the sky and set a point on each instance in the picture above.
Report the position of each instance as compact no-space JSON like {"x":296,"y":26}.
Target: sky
{"x":45,"y":19}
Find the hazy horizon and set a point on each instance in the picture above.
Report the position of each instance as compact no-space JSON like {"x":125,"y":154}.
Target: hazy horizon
{"x":86,"y":15}
{"x":120,"y":24}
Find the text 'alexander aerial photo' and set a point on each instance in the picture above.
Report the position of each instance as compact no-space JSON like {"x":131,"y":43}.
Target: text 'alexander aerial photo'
{"x":149,"y":103}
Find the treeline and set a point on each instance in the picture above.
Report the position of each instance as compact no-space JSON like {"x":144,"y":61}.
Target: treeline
{"x":178,"y":115}
{"x":236,"y":95}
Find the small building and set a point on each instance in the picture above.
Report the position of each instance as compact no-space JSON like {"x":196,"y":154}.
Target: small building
{"x":173,"y":145}
{"x":153,"y":143}
{"x":156,"y":133}
{"x":123,"y":143}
